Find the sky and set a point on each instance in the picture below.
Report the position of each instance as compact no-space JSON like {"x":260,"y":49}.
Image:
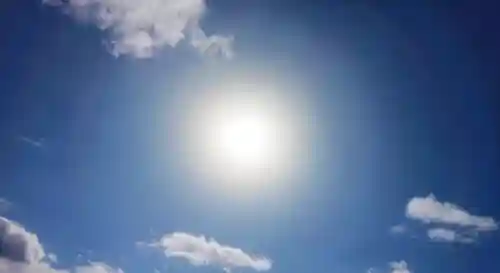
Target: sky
{"x":397,"y":104}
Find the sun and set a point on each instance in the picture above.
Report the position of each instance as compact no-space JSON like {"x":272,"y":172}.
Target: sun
{"x":243,"y":138}
{"x":242,"y":135}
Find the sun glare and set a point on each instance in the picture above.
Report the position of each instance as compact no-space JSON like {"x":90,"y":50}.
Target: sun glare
{"x":241,"y":134}
{"x":243,"y":137}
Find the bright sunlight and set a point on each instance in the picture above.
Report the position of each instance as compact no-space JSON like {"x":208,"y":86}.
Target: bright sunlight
{"x":243,"y":137}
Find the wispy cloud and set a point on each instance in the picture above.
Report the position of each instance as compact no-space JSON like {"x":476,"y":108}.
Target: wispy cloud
{"x":398,"y":229}
{"x":449,"y":236}
{"x":199,"y":250}
{"x":430,"y":210}
{"x":141,"y":28}
{"x":38,"y":143}
{"x":52,"y":258}
{"x":22,"y":252}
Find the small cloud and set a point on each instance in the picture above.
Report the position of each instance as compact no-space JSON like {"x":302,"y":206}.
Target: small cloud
{"x":214,"y":45}
{"x":442,"y":234}
{"x":52,"y":258}
{"x":37,"y":143}
{"x":141,"y":244}
{"x":141,"y":28}
{"x":395,"y":267}
{"x":430,"y":210}
{"x":199,"y":251}
{"x":448,"y":236}
{"x":398,"y":229}
{"x":399,"y":267}
{"x":84,"y":256}
{"x":95,"y":267}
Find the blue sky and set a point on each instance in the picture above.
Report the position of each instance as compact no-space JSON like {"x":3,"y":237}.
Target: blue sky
{"x":402,"y":156}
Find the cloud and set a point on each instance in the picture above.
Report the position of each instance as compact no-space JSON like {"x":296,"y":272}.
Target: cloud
{"x":21,"y":252}
{"x":17,"y":244}
{"x":8,"y":266}
{"x":52,"y":258}
{"x":442,"y":234}
{"x":213,"y":45}
{"x":449,"y":223}
{"x":398,"y":229}
{"x":96,"y":268}
{"x":399,"y":267}
{"x":448,"y":236}
{"x":430,"y":210}
{"x":395,"y":267}
{"x":199,"y":251}
{"x":141,"y":28}
{"x":35,"y":143}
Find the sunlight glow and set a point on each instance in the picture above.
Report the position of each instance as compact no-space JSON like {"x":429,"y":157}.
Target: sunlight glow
{"x":244,"y":138}
{"x":242,"y":135}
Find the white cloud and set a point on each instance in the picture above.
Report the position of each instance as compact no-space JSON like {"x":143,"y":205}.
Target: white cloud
{"x":214,"y":45}
{"x":96,"y":268}
{"x":21,"y":252}
{"x":430,"y":210}
{"x":9,"y":266}
{"x":399,"y":267}
{"x":395,"y":267}
{"x":442,"y":234}
{"x":19,"y":245}
{"x":52,"y":258}
{"x":199,"y":250}
{"x":448,"y":236}
{"x":141,"y":28}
